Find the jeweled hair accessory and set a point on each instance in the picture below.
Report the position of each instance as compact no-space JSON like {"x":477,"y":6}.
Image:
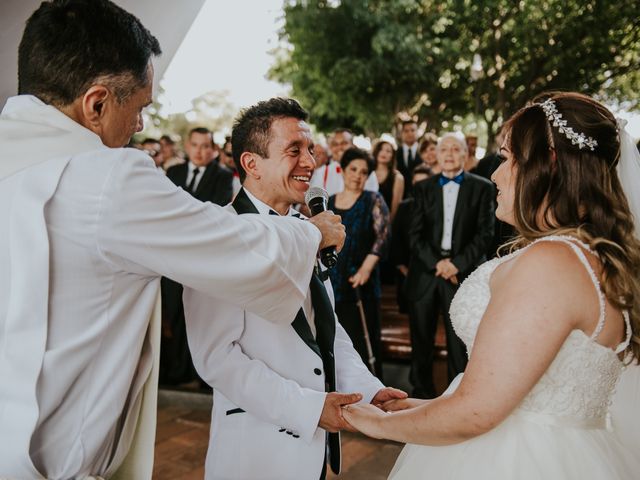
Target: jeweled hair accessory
{"x":555,"y":119}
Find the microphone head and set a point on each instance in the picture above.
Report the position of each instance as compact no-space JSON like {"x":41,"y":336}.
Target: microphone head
{"x":315,"y":192}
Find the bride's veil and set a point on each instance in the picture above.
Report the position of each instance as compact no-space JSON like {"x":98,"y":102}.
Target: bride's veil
{"x":625,"y":417}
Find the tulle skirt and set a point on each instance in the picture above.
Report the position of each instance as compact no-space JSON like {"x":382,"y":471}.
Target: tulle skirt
{"x":525,"y":447}
{"x":625,"y":409}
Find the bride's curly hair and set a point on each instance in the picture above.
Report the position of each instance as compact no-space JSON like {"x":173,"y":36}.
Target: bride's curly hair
{"x":577,"y":192}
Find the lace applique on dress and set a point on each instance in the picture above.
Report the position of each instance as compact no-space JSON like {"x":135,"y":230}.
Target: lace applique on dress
{"x":581,"y":380}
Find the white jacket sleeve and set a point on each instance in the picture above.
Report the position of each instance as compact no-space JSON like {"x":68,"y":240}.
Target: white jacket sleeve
{"x":351,"y":373}
{"x":213,"y":329}
{"x":151,"y":227}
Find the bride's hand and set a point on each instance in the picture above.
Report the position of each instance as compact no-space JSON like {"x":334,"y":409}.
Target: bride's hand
{"x":366,"y":418}
{"x":402,"y":404}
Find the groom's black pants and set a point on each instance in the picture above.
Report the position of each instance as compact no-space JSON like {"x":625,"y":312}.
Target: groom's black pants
{"x":423,"y":317}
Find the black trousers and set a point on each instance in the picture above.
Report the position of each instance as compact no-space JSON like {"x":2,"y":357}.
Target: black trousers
{"x":349,"y":318}
{"x":176,"y":364}
{"x":423,"y":317}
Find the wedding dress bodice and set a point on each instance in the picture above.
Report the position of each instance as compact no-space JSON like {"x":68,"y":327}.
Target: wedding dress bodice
{"x":579,"y":383}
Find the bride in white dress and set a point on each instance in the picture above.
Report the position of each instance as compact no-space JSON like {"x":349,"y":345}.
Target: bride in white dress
{"x":547,"y":326}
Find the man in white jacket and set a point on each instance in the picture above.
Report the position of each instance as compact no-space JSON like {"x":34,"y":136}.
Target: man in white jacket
{"x":276,"y":401}
{"x":88,"y":230}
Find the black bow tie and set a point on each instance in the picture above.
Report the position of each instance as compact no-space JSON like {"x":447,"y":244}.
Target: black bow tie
{"x":273,"y":212}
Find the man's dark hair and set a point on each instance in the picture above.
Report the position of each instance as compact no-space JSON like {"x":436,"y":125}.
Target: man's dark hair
{"x":343,"y":130}
{"x":408,"y":122}
{"x":149,"y":140}
{"x":355,"y":153}
{"x":68,"y":45}
{"x":203,"y":131}
{"x":168,"y":139}
{"x":421,"y":168}
{"x":252,"y":129}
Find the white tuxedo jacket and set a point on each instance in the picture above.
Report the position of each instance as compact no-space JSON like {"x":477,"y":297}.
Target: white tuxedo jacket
{"x":269,"y":390}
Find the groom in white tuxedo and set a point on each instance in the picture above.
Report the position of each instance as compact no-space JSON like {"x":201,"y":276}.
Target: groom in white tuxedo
{"x":277,"y":410}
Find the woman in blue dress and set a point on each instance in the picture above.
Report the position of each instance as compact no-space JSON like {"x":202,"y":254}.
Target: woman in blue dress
{"x":366,"y":218}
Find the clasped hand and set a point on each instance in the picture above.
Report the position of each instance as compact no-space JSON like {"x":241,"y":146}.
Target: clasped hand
{"x":369,"y":419}
{"x":447,"y":270}
{"x":331,"y":418}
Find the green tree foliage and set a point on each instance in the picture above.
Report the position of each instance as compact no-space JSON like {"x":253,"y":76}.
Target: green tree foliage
{"x":365,"y":63}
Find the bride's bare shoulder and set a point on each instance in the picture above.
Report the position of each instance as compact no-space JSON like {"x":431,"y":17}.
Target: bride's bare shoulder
{"x":544,"y":264}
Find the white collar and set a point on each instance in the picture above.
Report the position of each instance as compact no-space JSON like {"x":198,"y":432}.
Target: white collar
{"x":263,"y":208}
{"x":33,"y":132}
{"x":192,"y":167}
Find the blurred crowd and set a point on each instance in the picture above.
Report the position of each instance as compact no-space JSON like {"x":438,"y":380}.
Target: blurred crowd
{"x":419,"y":215}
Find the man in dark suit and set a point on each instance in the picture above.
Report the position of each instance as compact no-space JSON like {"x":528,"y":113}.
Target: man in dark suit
{"x":401,"y":248}
{"x":407,"y":155}
{"x":207,"y":181}
{"x":201,"y":176}
{"x":451,"y":230}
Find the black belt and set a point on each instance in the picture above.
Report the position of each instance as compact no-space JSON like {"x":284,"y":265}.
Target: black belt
{"x":445,"y":253}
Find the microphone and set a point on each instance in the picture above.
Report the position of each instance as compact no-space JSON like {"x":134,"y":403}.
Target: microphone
{"x":316,"y":199}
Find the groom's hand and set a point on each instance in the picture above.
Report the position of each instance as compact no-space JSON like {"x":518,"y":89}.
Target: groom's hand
{"x":331,"y":228}
{"x":386,"y":394}
{"x":331,"y":418}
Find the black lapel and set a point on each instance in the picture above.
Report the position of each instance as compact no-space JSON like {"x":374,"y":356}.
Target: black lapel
{"x":181,"y":178}
{"x":324,"y":317}
{"x":207,"y":177}
{"x":439,"y":211}
{"x":241,"y":204}
{"x":303,"y":329}
{"x":462,"y":204}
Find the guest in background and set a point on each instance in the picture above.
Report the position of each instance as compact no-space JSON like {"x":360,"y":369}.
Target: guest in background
{"x":407,"y":156}
{"x":321,"y":153}
{"x":450,"y":233}
{"x":329,"y":175}
{"x":207,"y":181}
{"x":391,"y":188}
{"x":366,"y":218}
{"x":169,"y":152}
{"x":472,"y":146}
{"x":390,"y":180}
{"x":428,"y":152}
{"x":226,"y":159}
{"x":201,"y":176}
{"x":152,"y":147}
{"x":400,"y":245}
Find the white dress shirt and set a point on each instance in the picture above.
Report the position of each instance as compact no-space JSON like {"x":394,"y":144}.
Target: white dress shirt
{"x":405,"y":152}
{"x":449,"y":199}
{"x":191,"y":172}
{"x":87,"y":233}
